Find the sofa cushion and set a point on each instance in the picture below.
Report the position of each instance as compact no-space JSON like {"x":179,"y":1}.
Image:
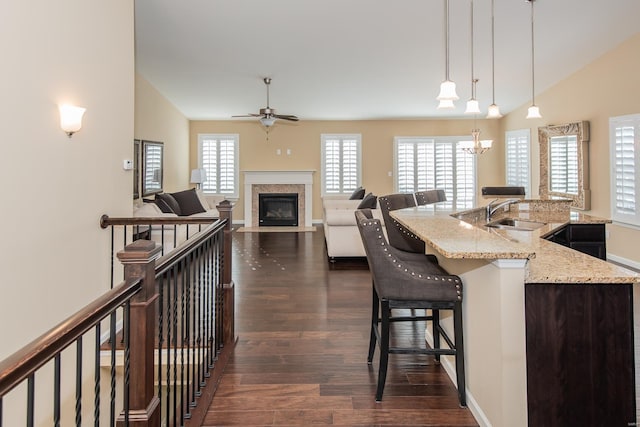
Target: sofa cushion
{"x":189,"y":202}
{"x":166,"y":200}
{"x":369,"y":202}
{"x":357,"y":194}
{"x":147,"y":210}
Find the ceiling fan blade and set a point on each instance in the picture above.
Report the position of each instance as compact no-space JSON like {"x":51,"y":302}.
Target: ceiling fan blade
{"x":249,"y":115}
{"x":286,"y":117}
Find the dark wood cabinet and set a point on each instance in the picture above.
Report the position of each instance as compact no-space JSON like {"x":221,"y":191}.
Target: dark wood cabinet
{"x":580,"y":355}
{"x":587,"y":238}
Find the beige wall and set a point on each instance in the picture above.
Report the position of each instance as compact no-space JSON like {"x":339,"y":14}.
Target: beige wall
{"x":303,"y":138}
{"x":54,"y":254}
{"x":607,"y":87}
{"x":158,"y":120}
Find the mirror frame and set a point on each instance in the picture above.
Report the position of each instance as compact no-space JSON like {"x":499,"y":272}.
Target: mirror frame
{"x":147,"y":189}
{"x":582,"y":200}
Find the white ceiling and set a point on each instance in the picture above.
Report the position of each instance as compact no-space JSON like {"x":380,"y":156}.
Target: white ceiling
{"x":363,"y":59}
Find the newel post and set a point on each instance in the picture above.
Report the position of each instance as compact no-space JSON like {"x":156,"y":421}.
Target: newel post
{"x":138,"y":259}
{"x":225,"y":208}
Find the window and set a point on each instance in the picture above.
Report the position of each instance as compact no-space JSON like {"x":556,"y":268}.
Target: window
{"x":426,"y":163}
{"x":624,"y":138}
{"x":341,"y":173}
{"x":517,"y":154}
{"x":218,"y":155}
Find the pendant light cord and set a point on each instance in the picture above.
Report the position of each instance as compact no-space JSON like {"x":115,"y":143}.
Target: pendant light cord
{"x":533,"y":76}
{"x":493,"y":54}
{"x":446,"y":26}
{"x":473,"y":84}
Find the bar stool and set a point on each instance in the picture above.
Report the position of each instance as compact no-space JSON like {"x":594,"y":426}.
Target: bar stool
{"x":428,"y":197}
{"x":399,"y":237}
{"x":409,"y":284}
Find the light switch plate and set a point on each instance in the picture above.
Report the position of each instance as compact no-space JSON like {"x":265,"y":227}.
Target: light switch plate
{"x":127,"y":164}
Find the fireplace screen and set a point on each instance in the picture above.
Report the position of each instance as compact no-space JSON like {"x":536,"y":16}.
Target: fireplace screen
{"x":278,"y":209}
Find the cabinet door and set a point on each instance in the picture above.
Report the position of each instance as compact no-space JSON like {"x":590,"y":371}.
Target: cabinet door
{"x":597,"y":250}
{"x":586,"y":232}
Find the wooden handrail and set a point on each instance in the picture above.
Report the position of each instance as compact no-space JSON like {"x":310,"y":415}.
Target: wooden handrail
{"x":20,"y":364}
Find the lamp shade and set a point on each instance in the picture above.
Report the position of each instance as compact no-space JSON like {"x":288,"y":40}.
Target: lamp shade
{"x":198,"y":176}
{"x":71,"y":118}
{"x":446,"y":104}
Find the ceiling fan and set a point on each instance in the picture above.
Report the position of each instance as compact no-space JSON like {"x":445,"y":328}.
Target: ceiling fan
{"x":268,"y":115}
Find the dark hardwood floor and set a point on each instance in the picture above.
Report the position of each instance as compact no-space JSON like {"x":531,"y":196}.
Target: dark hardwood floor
{"x":303,"y":331}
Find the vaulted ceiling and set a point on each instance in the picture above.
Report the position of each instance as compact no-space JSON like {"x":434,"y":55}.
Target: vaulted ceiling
{"x":364,"y":59}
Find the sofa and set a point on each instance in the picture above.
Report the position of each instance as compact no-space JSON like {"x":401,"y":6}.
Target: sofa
{"x":188,"y":203}
{"x":340,"y":229}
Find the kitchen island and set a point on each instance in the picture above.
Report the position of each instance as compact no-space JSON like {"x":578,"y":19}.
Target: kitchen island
{"x":549,"y":331}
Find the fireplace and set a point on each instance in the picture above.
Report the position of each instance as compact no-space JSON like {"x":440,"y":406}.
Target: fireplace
{"x":278,"y":209}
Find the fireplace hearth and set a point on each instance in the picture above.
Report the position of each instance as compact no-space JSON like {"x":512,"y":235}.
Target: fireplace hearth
{"x":278,"y":209}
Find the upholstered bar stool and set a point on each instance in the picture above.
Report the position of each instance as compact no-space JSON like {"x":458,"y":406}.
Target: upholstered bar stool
{"x":428,"y":197}
{"x":399,"y":236}
{"x":409,"y":284}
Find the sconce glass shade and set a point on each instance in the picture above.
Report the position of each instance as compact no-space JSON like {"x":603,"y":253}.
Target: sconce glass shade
{"x":446,"y":104}
{"x":476,"y":146}
{"x":267,"y":121}
{"x":533,"y":112}
{"x":447,"y":91}
{"x":71,"y":118}
{"x":473,"y":107}
{"x":493,"y":112}
{"x":198,"y":176}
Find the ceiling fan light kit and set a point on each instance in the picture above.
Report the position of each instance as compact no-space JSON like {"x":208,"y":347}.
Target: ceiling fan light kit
{"x":268,"y":115}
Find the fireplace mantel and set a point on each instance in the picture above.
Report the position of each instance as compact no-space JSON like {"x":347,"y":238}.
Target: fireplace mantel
{"x":278,"y":177}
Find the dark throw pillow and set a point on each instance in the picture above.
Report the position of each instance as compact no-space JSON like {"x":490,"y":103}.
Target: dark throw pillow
{"x":189,"y":202}
{"x":168,"y":201}
{"x":357,"y":194}
{"x":368,"y":202}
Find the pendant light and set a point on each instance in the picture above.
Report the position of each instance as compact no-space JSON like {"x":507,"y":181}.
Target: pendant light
{"x":533,"y":112}
{"x":447,"y":88}
{"x":476,"y":145}
{"x":472,"y":104}
{"x":494,"y":109}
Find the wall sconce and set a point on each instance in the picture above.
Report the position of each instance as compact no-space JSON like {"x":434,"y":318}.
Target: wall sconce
{"x":71,"y":118}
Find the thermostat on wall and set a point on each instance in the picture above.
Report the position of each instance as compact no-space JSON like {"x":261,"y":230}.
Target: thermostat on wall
{"x":127,"y":164}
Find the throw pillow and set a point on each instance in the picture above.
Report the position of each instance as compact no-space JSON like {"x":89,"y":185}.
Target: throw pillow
{"x":189,"y":202}
{"x":369,"y":202}
{"x":166,"y":200}
{"x":357,"y":194}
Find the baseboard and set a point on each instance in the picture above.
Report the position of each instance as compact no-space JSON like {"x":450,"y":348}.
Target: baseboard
{"x":450,"y":369}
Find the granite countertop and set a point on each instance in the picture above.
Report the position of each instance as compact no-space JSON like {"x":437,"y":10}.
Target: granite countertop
{"x":548,"y":262}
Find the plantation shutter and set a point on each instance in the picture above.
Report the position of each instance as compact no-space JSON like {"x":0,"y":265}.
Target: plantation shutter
{"x":218,"y":156}
{"x":435,"y":163}
{"x":563,"y":159}
{"x":341,"y":163}
{"x":625,"y":140}
{"x":518,"y":158}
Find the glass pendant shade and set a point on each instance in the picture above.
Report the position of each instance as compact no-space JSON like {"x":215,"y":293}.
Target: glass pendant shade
{"x":533,"y":112}
{"x":268,"y":121}
{"x":448,"y":91}
{"x":473,"y":107}
{"x":493,"y":112}
{"x":446,"y":104}
{"x":71,"y":118}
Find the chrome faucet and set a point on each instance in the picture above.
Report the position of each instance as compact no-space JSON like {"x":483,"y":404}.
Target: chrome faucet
{"x":491,"y":209}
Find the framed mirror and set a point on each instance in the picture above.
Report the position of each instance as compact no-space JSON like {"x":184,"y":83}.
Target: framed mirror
{"x":564,"y":163}
{"x":152,"y":157}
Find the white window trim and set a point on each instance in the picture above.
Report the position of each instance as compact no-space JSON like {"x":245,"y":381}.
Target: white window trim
{"x":341,"y":136}
{"x":236,"y":144}
{"x":627,"y":220}
{"x":450,"y":139}
{"x":516,"y":134}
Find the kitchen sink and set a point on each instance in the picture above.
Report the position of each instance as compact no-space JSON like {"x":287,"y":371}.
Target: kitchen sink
{"x":515,"y":224}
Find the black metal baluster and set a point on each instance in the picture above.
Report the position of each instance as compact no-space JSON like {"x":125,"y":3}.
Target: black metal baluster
{"x":169,"y":320}
{"x":112,"y":402}
{"x":56,"y":390}
{"x":112,"y":256}
{"x":96,"y":383}
{"x":201,"y":323}
{"x":160,"y":336}
{"x":175,"y":344}
{"x":79,"y":381}
{"x":1,"y":411}
{"x":30,"y":399}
